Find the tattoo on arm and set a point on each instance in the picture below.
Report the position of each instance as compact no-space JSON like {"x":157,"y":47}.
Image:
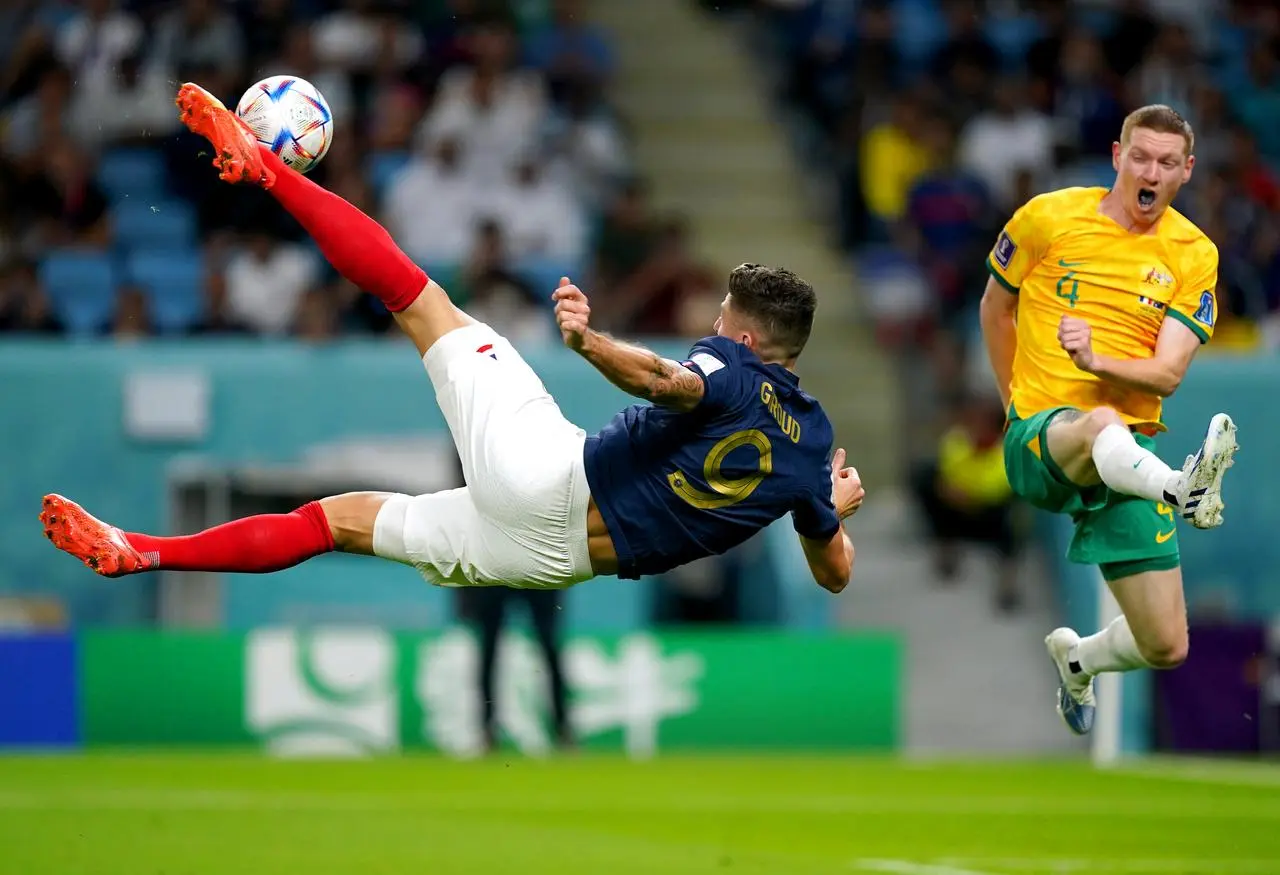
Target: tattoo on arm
{"x":669,"y":381}
{"x":1071,"y":414}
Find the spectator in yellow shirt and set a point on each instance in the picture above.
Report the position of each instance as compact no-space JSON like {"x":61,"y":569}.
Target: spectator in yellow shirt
{"x":894,"y":156}
{"x":965,"y":496}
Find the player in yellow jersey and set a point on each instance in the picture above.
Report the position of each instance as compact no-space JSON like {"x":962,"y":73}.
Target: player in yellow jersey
{"x":1097,"y":303}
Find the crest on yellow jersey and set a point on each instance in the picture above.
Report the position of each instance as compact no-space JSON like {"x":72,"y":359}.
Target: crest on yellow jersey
{"x":1156,"y":276}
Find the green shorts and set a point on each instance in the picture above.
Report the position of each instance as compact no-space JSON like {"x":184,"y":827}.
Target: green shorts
{"x":1121,"y":534}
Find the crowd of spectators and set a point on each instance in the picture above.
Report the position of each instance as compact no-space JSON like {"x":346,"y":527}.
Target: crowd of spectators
{"x":481,"y":133}
{"x":931,"y":121}
{"x":935,"y":119}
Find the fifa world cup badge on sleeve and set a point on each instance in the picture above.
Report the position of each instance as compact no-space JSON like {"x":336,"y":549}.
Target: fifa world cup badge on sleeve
{"x":709,"y":363}
{"x":1204,"y":313}
{"x":1005,"y":248}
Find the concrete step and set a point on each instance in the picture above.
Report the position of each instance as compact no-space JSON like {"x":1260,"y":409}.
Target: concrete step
{"x":978,"y":681}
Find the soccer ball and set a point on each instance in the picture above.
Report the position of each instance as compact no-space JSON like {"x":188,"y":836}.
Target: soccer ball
{"x":289,"y":116}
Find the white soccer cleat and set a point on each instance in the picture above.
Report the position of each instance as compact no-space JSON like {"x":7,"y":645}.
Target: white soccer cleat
{"x":1199,"y":492}
{"x":1076,"y":703}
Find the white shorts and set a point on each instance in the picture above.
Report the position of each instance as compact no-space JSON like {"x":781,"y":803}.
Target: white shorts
{"x":521,"y":520}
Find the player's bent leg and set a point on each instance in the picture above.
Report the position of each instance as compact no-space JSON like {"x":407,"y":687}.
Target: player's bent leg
{"x":352,"y":517}
{"x":1096,"y":446}
{"x":1154,"y":613}
{"x":1070,"y":438}
{"x":1151,"y":632}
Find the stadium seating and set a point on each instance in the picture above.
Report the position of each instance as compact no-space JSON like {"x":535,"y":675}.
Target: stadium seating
{"x":161,"y":224}
{"x":1012,"y":36}
{"x":82,"y":288}
{"x":173,"y":284}
{"x":135,"y":174}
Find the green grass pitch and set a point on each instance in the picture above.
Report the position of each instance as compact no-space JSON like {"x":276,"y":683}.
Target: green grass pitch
{"x":216,"y":814}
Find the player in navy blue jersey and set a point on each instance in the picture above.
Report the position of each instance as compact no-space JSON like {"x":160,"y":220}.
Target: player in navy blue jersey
{"x":727,"y":445}
{"x":730,"y":443}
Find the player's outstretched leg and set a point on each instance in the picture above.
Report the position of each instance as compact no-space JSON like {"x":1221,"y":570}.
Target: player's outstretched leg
{"x":1097,"y":446}
{"x":251,"y":545}
{"x":359,"y":248}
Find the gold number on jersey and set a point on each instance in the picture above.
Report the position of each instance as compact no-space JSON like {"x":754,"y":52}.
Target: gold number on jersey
{"x":726,"y":491}
{"x":1074,"y":294}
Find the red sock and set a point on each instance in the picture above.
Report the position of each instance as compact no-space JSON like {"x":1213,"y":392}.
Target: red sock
{"x":358,"y":247}
{"x":253,"y":545}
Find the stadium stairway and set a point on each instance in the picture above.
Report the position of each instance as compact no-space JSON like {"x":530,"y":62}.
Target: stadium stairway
{"x":708,"y":143}
{"x":978,"y":682}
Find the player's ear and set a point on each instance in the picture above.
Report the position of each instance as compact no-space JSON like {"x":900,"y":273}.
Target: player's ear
{"x":1186,"y":171}
{"x":1115,"y":155}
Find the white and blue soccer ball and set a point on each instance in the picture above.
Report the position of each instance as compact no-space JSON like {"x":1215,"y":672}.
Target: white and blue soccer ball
{"x":289,"y":116}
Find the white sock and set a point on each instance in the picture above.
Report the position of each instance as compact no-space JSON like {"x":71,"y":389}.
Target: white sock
{"x":1112,"y":649}
{"x":1128,"y":468}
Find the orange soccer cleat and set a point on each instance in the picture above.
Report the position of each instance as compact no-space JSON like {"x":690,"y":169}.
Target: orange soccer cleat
{"x":102,"y":547}
{"x":237,"y":157}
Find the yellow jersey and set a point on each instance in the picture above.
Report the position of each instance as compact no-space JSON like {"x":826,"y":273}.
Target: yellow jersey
{"x":976,"y":471}
{"x":1060,"y":255}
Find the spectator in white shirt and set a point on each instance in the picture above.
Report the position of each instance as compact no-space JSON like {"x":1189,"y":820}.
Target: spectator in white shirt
{"x":133,"y":104}
{"x":996,"y":144}
{"x":199,"y":36}
{"x":495,"y":109}
{"x":430,"y":206}
{"x":540,"y":217}
{"x":266,"y":282}
{"x":93,"y":43}
{"x":354,"y":36}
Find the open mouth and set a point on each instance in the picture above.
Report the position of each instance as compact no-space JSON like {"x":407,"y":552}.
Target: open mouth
{"x":1146,"y":198}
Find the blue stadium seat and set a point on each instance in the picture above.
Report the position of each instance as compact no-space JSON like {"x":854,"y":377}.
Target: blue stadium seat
{"x":82,"y":288}
{"x":1012,"y":36}
{"x":920,"y":30}
{"x":151,"y":225}
{"x":136,"y":174}
{"x":173,"y":284}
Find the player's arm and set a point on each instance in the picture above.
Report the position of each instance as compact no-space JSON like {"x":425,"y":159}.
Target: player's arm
{"x":830,"y":557}
{"x":831,"y":561}
{"x":997,"y":313}
{"x":633,"y":369}
{"x":1161,"y":374}
{"x":1017,"y":251}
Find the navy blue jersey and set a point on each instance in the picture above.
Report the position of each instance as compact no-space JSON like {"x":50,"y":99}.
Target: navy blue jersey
{"x":673,"y":487}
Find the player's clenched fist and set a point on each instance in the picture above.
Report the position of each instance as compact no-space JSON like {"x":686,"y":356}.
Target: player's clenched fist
{"x":846,"y":487}
{"x":1076,"y":338}
{"x":572,"y":313}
